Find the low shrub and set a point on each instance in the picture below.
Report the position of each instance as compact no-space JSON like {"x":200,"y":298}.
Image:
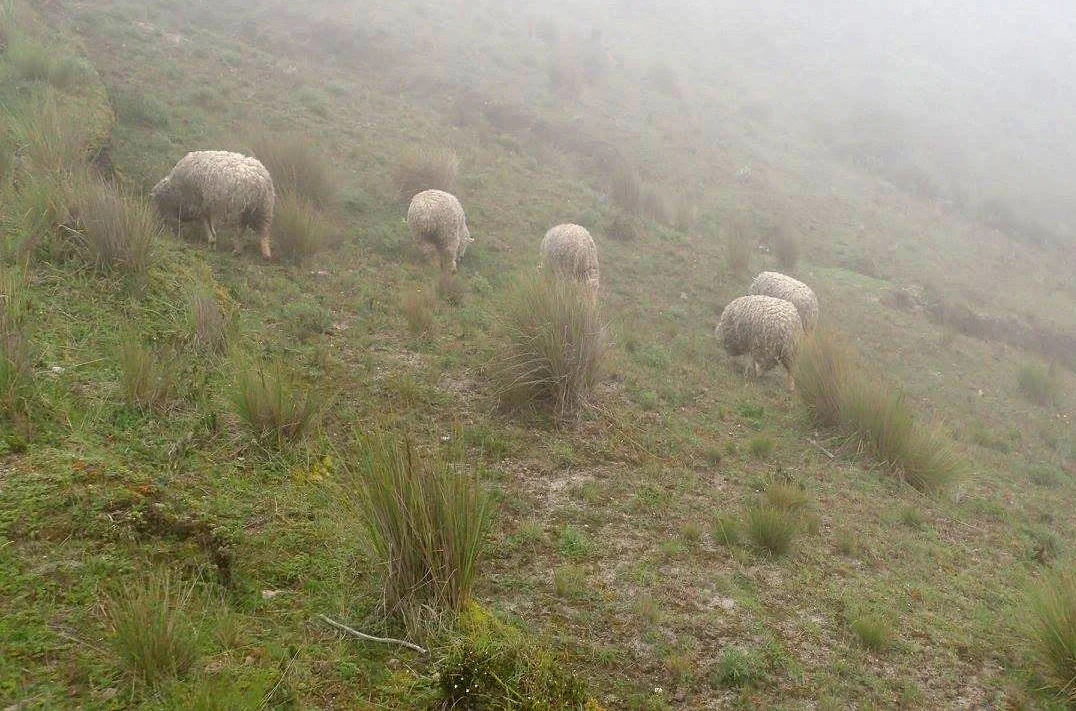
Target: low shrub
{"x":147,"y":378}
{"x":555,"y":347}
{"x":1039,"y":384}
{"x":426,"y":168}
{"x":270,"y":406}
{"x":426,"y":521}
{"x":492,"y":665}
{"x":297,"y":167}
{"x":299,"y":229}
{"x":1053,"y":628}
{"x":152,"y":629}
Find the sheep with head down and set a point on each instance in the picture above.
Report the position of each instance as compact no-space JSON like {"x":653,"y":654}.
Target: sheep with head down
{"x":766,"y":328}
{"x":439,"y":227}
{"x":782,"y":286}
{"x":218,"y":188}
{"x":569,"y":252}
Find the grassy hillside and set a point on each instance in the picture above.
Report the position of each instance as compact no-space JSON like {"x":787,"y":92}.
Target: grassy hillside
{"x":692,"y":540}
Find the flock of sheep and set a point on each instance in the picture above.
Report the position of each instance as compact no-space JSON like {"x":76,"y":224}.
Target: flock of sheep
{"x":216,"y":188}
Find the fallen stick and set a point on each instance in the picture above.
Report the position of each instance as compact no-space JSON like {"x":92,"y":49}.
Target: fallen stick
{"x":371,"y":638}
{"x":822,"y":449}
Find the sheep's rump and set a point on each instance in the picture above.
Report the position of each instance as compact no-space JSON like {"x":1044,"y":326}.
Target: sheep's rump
{"x":438,"y":225}
{"x":781,"y":286}
{"x":225,"y":187}
{"x":765,"y":327}
{"x":569,"y":251}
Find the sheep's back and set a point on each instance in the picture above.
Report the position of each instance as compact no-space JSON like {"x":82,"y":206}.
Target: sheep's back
{"x":782,"y":286}
{"x":765,"y":326}
{"x":570,"y":249}
{"x":226,"y":183}
{"x":435,"y":214}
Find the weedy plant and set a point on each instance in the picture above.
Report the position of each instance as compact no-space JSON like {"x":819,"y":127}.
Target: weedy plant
{"x":426,"y":168}
{"x":1053,"y":624}
{"x":426,"y":521}
{"x":152,"y":628}
{"x":555,"y":348}
{"x":270,"y":406}
{"x":296,"y":166}
{"x":299,"y":229}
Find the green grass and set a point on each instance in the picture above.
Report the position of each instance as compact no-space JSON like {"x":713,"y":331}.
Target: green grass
{"x":726,"y":531}
{"x":299,"y":230}
{"x":871,"y":632}
{"x":569,"y":581}
{"x":270,"y":405}
{"x":737,"y":669}
{"x":772,"y":530}
{"x":152,"y":628}
{"x":148,"y":379}
{"x":761,"y":447}
{"x":1053,"y":619}
{"x":425,"y":521}
{"x":555,"y":348}
{"x":417,"y":307}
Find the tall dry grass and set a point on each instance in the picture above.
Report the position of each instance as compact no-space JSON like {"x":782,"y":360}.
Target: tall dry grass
{"x":426,"y":168}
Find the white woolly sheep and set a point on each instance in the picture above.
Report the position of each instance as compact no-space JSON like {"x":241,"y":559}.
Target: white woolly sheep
{"x":217,"y":188}
{"x":766,"y":328}
{"x":781,"y":286}
{"x":570,"y":252}
{"x":439,"y":227}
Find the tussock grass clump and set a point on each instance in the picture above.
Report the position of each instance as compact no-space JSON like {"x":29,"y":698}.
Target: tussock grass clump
{"x":299,"y":229}
{"x":771,"y":529}
{"x":839,"y":395}
{"x":208,"y":323}
{"x":787,"y":497}
{"x":872,"y":632}
{"x":1039,"y":384}
{"x":417,"y":307}
{"x":33,"y":61}
{"x":50,"y":137}
{"x":114,"y":232}
{"x":426,"y":168}
{"x":624,"y":227}
{"x":1053,"y":621}
{"x":296,"y":166}
{"x":147,"y":378}
{"x":152,"y":629}
{"x":569,"y":581}
{"x":270,"y":406}
{"x":451,"y":288}
{"x":426,"y":521}
{"x":493,"y":665}
{"x":737,"y":668}
{"x":761,"y":447}
{"x":726,"y":530}
{"x":555,"y":350}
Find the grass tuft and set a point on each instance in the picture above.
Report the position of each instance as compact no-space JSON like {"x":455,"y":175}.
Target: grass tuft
{"x":1040,"y":384}
{"x":114,"y":232}
{"x":839,"y":395}
{"x":152,"y":630}
{"x":771,"y":529}
{"x":726,"y":530}
{"x":1053,"y":619}
{"x":761,"y":447}
{"x":148,"y":380}
{"x":737,"y":669}
{"x":16,"y":354}
{"x":209,"y":325}
{"x":555,"y":350}
{"x":623,"y":227}
{"x":270,"y":406}
{"x":296,"y":166}
{"x":786,"y":248}
{"x":426,"y":168}
{"x":426,"y":521}
{"x":299,"y":229}
{"x":738,"y":250}
{"x":33,"y":61}
{"x":626,"y":191}
{"x":417,"y":307}
{"x":569,"y":581}
{"x":872,"y":632}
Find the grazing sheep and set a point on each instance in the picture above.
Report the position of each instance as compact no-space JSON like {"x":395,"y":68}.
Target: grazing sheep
{"x":439,"y":226}
{"x":766,"y":328}
{"x":785,"y":287}
{"x":219,"y":187}
{"x":570,"y":251}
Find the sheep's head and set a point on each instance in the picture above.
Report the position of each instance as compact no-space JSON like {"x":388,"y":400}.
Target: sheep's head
{"x":166,"y":197}
{"x":465,"y":239}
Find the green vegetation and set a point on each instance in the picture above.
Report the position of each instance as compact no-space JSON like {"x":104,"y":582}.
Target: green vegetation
{"x":1053,"y":615}
{"x":427,"y":523}
{"x":771,"y":529}
{"x":871,"y":632}
{"x":148,"y":380}
{"x":1040,"y":384}
{"x":299,"y":230}
{"x":556,"y":347}
{"x":270,"y":406}
{"x":298,"y":169}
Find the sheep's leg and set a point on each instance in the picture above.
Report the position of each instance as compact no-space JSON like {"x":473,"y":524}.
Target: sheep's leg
{"x":264,"y":236}
{"x":790,"y":381}
{"x":210,"y":233}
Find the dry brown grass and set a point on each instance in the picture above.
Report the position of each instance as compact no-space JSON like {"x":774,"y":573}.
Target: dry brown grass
{"x":426,"y":168}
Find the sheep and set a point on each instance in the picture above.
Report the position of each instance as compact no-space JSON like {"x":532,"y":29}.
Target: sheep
{"x":766,"y":328}
{"x":219,"y":187}
{"x":570,"y":252}
{"x":439,"y":226}
{"x":785,"y":287}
